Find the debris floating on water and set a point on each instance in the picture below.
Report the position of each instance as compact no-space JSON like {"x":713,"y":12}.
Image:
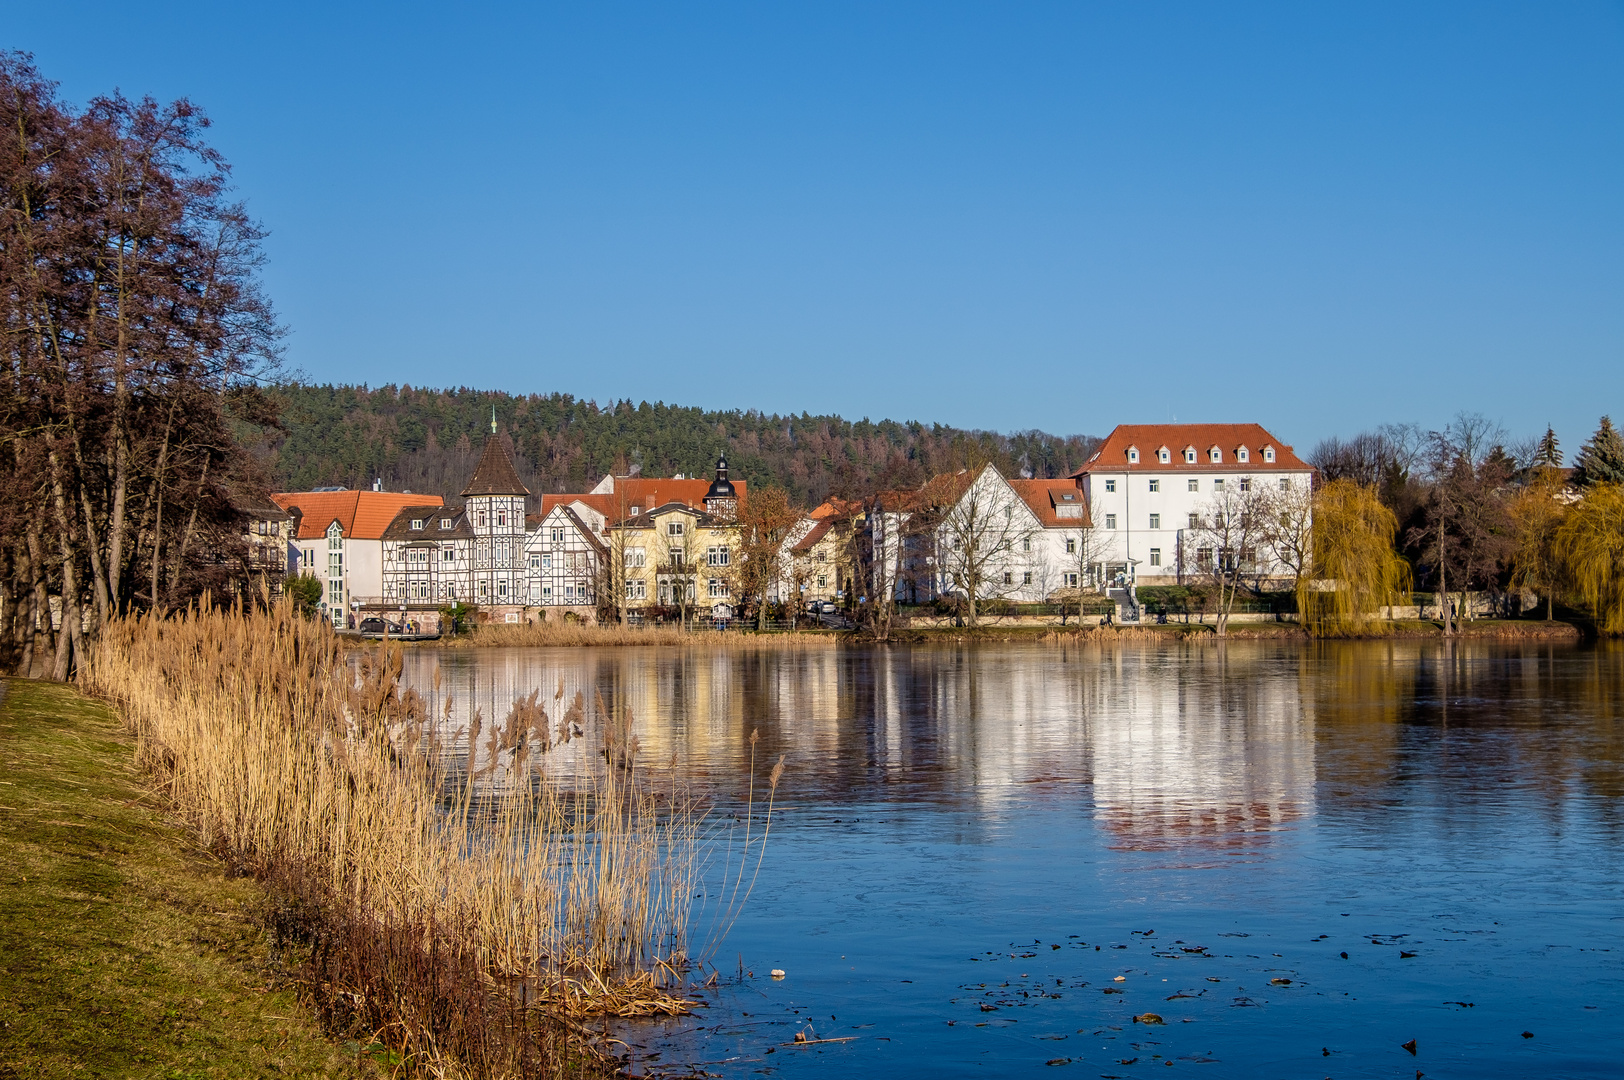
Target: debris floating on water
{"x":1410,"y":1046}
{"x":777,"y":973}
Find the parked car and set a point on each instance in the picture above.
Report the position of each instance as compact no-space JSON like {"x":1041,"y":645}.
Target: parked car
{"x":821,"y":607}
{"x":375,"y":625}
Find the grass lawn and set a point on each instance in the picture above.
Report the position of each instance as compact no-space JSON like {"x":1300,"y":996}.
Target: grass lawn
{"x":124,"y":950}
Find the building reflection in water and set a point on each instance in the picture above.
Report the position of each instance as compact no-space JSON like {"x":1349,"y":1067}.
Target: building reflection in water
{"x":1170,"y":744}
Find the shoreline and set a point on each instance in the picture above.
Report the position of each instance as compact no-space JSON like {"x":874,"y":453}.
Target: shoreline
{"x":617,"y":637}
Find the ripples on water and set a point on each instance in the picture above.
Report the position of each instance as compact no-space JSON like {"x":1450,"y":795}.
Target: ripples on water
{"x":975,"y":842}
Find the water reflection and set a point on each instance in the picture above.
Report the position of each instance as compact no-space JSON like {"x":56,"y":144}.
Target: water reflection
{"x":1168,"y":745}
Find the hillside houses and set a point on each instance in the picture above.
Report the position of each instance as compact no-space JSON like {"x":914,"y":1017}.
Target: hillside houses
{"x":633,"y":547}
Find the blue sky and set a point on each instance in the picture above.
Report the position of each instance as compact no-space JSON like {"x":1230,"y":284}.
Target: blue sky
{"x":1315,"y":216}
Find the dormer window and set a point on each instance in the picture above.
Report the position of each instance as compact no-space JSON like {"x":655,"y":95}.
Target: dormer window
{"x":1242,"y":455}
{"x":1215,"y":455}
{"x":417,"y":524}
{"x":1268,"y":454}
{"x":636,"y":510}
{"x":1133,"y":455}
{"x":1164,"y":455}
{"x":445,"y":523}
{"x":1189,"y":455}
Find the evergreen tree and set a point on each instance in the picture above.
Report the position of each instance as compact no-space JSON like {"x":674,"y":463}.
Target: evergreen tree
{"x":1601,"y":460}
{"x":1549,"y":454}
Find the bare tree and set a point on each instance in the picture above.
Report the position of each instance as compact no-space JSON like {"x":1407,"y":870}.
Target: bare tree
{"x":983,"y":540}
{"x":1287,"y":529}
{"x":1226,"y":543}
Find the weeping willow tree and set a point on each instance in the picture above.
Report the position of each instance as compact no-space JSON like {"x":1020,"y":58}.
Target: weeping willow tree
{"x":1537,"y":514}
{"x":1356,"y":570}
{"x":1590,"y":550}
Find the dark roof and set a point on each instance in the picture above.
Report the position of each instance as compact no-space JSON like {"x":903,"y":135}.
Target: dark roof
{"x":401,"y":527}
{"x":495,"y":474}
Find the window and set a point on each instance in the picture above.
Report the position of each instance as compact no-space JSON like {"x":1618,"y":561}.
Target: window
{"x":1070,"y":580}
{"x":1026,"y":578}
{"x":1155,"y":556}
{"x":445,"y":523}
{"x":501,"y":589}
{"x":335,"y":564}
{"x":717,"y":555}
{"x":1133,"y":455}
{"x":1246,"y":483}
{"x":546,"y":594}
{"x":1189,"y":455}
{"x":417,"y":524}
{"x":635,"y":557}
{"x":637,"y":590}
{"x":1026,"y":544}
{"x":636,"y":510}
{"x":1071,"y":546}
{"x":546,"y":560}
{"x":1242,"y":455}
{"x":1155,"y":521}
{"x":718,"y":588}
{"x":1285,"y":485}
{"x":1155,"y":485}
{"x":484,"y":588}
{"x":1163,"y":456}
{"x":823,"y":581}
{"x":673,"y":528}
{"x":448,"y":555}
{"x":1110,"y":521}
{"x":1110,"y":485}
{"x":676,"y":558}
{"x":501,"y":517}
{"x":1194,"y":485}
{"x":480,"y":519}
{"x":1215,"y":455}
{"x":1218,"y":485}
{"x":1203,"y":558}
{"x":335,"y":593}
{"x":1268,"y":453}
{"x":1195,"y":521}
{"x":557,"y":536}
{"x":535,"y":561}
{"x":1009,"y":578}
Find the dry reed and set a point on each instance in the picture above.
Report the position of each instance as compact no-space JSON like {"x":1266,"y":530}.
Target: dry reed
{"x":467,"y":896}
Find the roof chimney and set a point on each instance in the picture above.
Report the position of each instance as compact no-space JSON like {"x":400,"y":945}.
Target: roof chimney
{"x":377,"y":485}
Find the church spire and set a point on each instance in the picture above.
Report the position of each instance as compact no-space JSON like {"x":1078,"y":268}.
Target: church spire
{"x":493,"y":419}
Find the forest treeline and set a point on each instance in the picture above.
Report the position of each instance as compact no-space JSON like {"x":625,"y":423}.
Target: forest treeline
{"x":415,"y":439}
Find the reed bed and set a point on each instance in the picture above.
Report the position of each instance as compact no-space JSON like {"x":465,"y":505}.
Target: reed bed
{"x":580,"y":634}
{"x":465,"y":897}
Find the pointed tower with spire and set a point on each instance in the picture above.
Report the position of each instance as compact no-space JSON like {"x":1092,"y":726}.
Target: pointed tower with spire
{"x":495,"y":504}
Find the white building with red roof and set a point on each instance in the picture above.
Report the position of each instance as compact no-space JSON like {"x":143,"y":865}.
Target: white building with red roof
{"x":1150,"y":487}
{"x":338,"y":538}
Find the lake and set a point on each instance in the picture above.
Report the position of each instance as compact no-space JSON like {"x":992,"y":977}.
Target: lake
{"x":990,"y":859}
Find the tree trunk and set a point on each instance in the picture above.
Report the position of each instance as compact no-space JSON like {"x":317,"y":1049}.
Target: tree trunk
{"x":68,"y":639}
{"x":1443,"y":587}
{"x":42,"y":656}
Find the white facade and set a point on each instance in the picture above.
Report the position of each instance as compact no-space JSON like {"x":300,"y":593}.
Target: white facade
{"x":1150,"y":487}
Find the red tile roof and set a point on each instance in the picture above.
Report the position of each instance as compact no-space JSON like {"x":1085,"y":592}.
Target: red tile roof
{"x":1112,"y":455}
{"x":363,"y":515}
{"x":1045,"y":497}
{"x":810,"y":540}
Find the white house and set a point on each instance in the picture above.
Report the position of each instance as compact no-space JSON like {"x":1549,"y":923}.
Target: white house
{"x":1150,"y":485}
{"x":1019,"y":540}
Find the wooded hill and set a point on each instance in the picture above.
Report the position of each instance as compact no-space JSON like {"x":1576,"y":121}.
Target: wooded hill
{"x":428,"y":440}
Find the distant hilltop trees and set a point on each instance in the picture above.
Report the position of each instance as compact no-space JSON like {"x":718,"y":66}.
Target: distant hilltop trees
{"x":428,"y":440}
